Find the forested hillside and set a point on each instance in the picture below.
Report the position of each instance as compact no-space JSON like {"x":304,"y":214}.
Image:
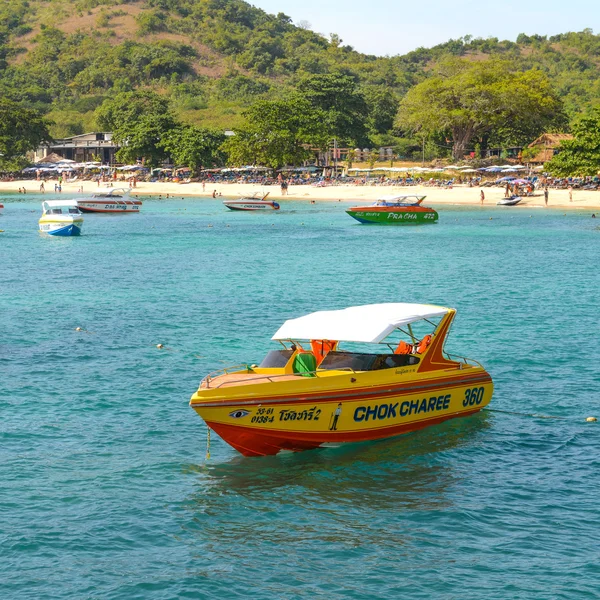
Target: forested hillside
{"x":216,"y":58}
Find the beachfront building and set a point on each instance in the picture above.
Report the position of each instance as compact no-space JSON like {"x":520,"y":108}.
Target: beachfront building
{"x":82,"y":148}
{"x":547,"y":146}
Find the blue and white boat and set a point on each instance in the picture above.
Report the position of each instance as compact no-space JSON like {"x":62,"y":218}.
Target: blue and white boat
{"x":60,"y":218}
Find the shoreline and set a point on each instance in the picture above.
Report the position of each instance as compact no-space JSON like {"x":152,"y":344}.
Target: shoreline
{"x":360,"y":194}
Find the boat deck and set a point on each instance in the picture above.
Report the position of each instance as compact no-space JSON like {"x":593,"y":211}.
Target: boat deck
{"x":236,"y":379}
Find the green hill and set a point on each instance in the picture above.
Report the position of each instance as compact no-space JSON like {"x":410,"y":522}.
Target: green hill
{"x":214,"y":58}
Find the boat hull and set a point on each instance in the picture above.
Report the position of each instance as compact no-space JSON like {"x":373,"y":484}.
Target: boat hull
{"x":319,"y":411}
{"x":123,"y":206}
{"x":386,"y":215}
{"x":61,"y":228}
{"x":251,"y":205}
{"x":264,"y":442}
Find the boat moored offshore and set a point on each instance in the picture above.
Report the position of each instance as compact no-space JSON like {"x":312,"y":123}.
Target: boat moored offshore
{"x":512,"y":201}
{"x":395,"y":210}
{"x":110,"y":200}
{"x":60,"y":218}
{"x":255,"y":201}
{"x":312,"y":392}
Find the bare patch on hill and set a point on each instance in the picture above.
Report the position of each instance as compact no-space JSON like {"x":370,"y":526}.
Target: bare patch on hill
{"x":65,"y":17}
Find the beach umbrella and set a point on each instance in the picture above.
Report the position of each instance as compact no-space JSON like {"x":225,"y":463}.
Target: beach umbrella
{"x":469,"y":171}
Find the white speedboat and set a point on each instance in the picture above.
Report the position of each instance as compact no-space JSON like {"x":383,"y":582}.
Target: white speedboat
{"x":510,"y":201}
{"x":254,"y":202}
{"x":109,"y":200}
{"x":60,"y":218}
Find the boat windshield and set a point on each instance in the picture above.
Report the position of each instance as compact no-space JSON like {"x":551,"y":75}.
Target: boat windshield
{"x":276,"y":359}
{"x":403,"y":202}
{"x":357,"y":361}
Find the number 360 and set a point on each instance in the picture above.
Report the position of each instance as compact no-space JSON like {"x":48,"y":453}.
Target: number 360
{"x":473,"y":396}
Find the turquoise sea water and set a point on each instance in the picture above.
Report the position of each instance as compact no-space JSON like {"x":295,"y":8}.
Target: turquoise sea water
{"x":104,"y":487}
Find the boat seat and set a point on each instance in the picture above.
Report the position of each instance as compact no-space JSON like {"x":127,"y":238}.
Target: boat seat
{"x":305,"y":364}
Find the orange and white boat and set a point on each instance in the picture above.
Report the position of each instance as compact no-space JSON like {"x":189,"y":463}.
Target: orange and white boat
{"x":110,"y":200}
{"x":312,"y":392}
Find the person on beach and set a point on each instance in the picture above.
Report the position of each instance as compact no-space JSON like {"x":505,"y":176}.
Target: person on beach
{"x":546,"y":194}
{"x":570,"y":194}
{"x":507,"y":190}
{"x":214,"y":194}
{"x":482,"y":197}
{"x":42,"y":188}
{"x":203,"y":185}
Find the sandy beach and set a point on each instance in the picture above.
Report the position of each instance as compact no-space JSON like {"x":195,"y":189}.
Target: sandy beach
{"x":459,"y":194}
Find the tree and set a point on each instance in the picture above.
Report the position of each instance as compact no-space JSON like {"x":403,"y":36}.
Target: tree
{"x":581,"y":155}
{"x":194,"y":147}
{"x":143,"y":139}
{"x":343,"y":105}
{"x":21,"y":130}
{"x":127,"y":107}
{"x":464,"y":100}
{"x":382,"y":106}
{"x":139,"y":122}
{"x":278,"y":133}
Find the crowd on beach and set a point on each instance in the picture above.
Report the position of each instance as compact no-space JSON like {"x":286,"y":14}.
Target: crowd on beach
{"x":525,"y":185}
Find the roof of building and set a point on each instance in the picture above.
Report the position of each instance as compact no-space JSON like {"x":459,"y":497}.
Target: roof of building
{"x":550,"y":140}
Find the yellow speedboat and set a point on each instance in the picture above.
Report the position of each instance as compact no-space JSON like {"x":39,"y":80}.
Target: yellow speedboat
{"x":312,"y":393}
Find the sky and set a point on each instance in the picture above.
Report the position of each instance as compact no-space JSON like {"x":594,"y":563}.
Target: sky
{"x":389,"y":27}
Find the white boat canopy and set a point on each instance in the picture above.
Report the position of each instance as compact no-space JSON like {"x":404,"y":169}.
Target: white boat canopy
{"x":394,"y":197}
{"x":111,"y":191}
{"x":60,"y":203}
{"x":371,"y":323}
